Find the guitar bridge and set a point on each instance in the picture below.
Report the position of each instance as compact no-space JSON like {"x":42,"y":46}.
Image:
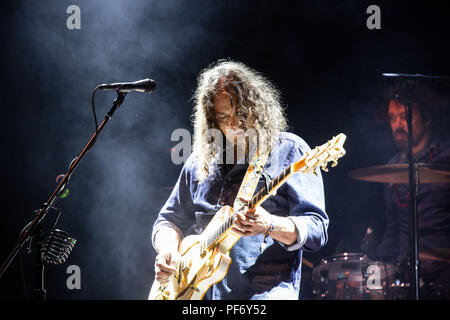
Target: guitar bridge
{"x":164,"y":293}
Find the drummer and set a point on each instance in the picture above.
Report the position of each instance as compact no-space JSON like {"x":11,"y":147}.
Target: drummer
{"x":429,"y":146}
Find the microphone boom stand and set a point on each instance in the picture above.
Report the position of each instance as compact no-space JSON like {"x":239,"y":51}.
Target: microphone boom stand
{"x":34,"y":228}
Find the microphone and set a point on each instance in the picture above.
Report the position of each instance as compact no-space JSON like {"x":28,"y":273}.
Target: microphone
{"x":144,"y":86}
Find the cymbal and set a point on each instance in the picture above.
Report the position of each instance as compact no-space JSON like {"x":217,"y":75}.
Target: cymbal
{"x":435,"y":254}
{"x":399,"y":173}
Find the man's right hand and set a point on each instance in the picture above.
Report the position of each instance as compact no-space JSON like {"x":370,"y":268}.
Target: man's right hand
{"x":166,"y":263}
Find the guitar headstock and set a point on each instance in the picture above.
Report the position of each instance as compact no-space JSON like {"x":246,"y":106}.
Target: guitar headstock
{"x":322,"y":155}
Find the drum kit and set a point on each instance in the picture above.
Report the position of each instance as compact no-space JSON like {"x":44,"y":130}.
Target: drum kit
{"x":352,"y":275}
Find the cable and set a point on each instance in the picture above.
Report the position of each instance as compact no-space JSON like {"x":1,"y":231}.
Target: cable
{"x":24,"y":283}
{"x":95,"y":116}
{"x":28,"y":250}
{"x":93,"y":108}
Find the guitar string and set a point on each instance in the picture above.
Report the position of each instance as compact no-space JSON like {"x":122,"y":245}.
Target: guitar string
{"x":257,"y":197}
{"x":263,"y":192}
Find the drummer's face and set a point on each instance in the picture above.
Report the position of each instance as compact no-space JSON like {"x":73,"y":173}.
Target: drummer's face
{"x":397,"y":120}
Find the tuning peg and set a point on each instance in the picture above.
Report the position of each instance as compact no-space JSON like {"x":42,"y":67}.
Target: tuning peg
{"x":334,"y":164}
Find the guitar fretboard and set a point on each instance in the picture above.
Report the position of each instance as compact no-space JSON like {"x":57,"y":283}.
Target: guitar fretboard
{"x":263,"y":192}
{"x":258,"y":198}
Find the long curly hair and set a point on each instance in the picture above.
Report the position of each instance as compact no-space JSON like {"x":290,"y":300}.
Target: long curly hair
{"x":255,"y":95}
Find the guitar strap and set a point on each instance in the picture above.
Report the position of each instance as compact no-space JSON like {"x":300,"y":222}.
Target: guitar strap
{"x":250,"y":181}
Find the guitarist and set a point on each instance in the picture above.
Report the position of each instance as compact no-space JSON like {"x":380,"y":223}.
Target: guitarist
{"x":266,"y":260}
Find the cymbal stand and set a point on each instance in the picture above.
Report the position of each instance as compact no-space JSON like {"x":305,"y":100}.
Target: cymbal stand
{"x":413,"y":189}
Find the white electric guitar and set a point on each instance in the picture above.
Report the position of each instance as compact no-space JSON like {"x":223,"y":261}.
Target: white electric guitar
{"x":205,"y":258}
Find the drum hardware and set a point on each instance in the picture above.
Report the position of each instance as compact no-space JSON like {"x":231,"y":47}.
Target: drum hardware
{"x":398,"y":173}
{"x":352,"y":276}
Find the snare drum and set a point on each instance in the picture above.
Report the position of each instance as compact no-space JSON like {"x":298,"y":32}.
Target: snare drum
{"x":352,"y":276}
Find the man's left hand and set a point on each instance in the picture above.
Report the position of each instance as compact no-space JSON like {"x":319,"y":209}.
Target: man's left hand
{"x":252,"y":221}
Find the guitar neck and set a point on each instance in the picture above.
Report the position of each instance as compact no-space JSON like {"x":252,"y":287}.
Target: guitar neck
{"x":257,"y":199}
{"x":319,"y":157}
{"x":274,"y":184}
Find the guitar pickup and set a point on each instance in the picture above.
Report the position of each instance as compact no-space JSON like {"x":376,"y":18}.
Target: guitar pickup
{"x":267,"y":180}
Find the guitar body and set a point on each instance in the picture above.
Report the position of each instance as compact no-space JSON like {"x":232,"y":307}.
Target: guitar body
{"x":200,"y":267}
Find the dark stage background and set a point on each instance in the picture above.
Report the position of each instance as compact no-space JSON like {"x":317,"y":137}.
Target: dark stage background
{"x":320,"y":54}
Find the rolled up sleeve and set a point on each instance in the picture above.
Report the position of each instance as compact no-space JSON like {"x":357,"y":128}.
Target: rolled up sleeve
{"x":306,"y":199}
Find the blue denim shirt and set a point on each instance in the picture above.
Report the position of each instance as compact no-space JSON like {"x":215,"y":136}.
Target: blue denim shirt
{"x":275,"y":272}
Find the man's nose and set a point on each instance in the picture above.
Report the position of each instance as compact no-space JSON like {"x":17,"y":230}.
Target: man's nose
{"x":396,"y":123}
{"x":233,"y":122}
{"x":399,"y":124}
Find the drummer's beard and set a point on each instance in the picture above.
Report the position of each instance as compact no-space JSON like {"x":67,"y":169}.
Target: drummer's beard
{"x":401,"y":139}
